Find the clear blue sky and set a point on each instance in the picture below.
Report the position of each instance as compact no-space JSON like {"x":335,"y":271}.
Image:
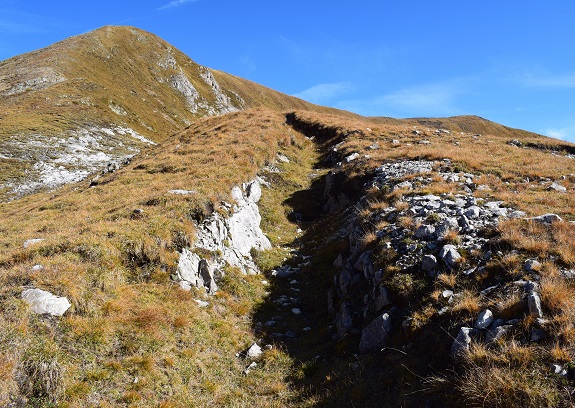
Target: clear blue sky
{"x":508,"y":61}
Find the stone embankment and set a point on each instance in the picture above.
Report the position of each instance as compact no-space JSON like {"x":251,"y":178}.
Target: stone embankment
{"x":422,"y":236}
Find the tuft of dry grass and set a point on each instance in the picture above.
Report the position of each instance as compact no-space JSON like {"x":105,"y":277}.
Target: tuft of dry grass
{"x":467,"y":301}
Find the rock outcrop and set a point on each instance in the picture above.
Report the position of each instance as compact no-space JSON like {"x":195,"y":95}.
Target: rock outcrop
{"x":440,"y":230}
{"x":230,"y":239}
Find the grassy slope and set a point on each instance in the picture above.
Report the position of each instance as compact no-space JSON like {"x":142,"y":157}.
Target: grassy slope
{"x":129,"y":320}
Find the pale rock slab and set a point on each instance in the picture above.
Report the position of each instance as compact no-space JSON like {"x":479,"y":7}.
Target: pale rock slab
{"x":43,"y":302}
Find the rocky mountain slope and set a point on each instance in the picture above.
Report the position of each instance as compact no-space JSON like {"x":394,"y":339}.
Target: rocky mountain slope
{"x":97,"y":99}
{"x":275,"y":256}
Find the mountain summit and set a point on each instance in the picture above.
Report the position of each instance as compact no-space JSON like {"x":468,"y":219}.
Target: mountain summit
{"x":95,"y":99}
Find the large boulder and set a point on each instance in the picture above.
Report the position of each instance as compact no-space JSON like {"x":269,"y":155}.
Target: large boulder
{"x":43,"y":302}
{"x":376,"y":334}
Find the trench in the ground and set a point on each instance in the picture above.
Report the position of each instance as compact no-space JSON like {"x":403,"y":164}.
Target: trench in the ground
{"x":295,"y":315}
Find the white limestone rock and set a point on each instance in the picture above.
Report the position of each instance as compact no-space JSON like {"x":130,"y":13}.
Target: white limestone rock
{"x":196,"y":271}
{"x":33,"y":241}
{"x":254,"y":351}
{"x":43,"y":302}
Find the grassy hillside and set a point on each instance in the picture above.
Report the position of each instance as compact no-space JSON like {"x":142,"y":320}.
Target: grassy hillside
{"x":133,"y":338}
{"x":104,"y":93}
{"x":111,"y":244}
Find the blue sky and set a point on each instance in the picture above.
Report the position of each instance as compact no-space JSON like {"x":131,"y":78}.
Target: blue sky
{"x":508,"y":61}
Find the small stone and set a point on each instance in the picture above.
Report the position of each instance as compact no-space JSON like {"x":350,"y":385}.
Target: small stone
{"x":201,"y":303}
{"x":447,"y":294}
{"x":546,"y":218}
{"x":281,"y":158}
{"x":537,"y":335}
{"x":428,"y":263}
{"x":250,"y":367}
{"x":558,"y":369}
{"x":443,"y":310}
{"x":497,"y":333}
{"x":181,"y":192}
{"x":296,"y":311}
{"x":449,"y":255}
{"x":33,"y":241}
{"x":43,"y":302}
{"x":254,"y":351}
{"x":534,"y":303}
{"x":375,"y":335}
{"x":37,"y":268}
{"x":352,"y":157}
{"x":306,"y":329}
{"x":557,"y":187}
{"x":472,"y":212}
{"x":484,"y":319}
{"x":290,"y":334}
{"x":532,"y":265}
{"x":462,"y":341}
{"x":424,"y":232}
{"x":185,"y":285}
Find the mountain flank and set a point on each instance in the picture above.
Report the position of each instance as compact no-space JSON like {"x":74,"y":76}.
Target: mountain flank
{"x":275,"y":253}
{"x":96,"y":99}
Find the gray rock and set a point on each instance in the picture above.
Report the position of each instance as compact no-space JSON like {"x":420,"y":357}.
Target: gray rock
{"x":532,"y":265}
{"x":235,"y":236}
{"x":472,"y":212}
{"x":497,"y":333}
{"x":381,"y":297}
{"x":405,"y":185}
{"x":201,"y":303}
{"x":557,"y":187}
{"x":376,"y":334}
{"x":282,"y":158}
{"x":424,"y":232}
{"x":181,"y":192}
{"x":428,"y":263}
{"x":462,"y":341}
{"x":344,"y":319}
{"x":447,"y":294}
{"x":537,"y":334}
{"x":351,"y":157}
{"x":449,"y":255}
{"x":484,"y":319}
{"x":546,"y":218}
{"x":43,"y":302}
{"x":558,"y":369}
{"x":445,"y":226}
{"x":534,"y":303}
{"x":338,"y":263}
